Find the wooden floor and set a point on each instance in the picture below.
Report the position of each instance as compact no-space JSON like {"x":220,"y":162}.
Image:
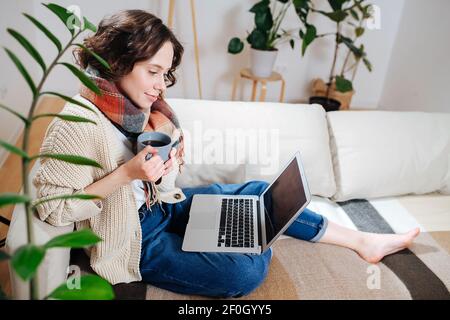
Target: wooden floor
{"x":11,"y":174}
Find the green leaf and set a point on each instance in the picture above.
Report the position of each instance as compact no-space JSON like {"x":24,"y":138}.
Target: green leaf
{"x":260,"y":6}
{"x":89,"y":25}
{"x":65,"y":197}
{"x":302,"y":8}
{"x":83,"y":78}
{"x":359,"y":31}
{"x":367,"y":64}
{"x":354,"y":14}
{"x":70,"y":159}
{"x":292,"y":43}
{"x":13,"y":149}
{"x":343,"y":85}
{"x":64,"y":117}
{"x":14,"y":113}
{"x":96,"y":56}
{"x":4,"y":256}
{"x":235,"y":46}
{"x":336,"y":16}
{"x":301,"y":34}
{"x":68,"y":99}
{"x":92,"y":287}
{"x":257,"y":40}
{"x":22,"y":70}
{"x":49,"y":35}
{"x":7,"y":199}
{"x":264,"y":20}
{"x":337,"y":4}
{"x":350,"y":44}
{"x":309,"y":36}
{"x":69,"y":19}
{"x":367,"y":11}
{"x":28,"y":47}
{"x":27,"y":259}
{"x":77,"y":239}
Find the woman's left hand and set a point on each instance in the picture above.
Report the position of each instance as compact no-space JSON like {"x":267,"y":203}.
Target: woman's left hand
{"x":168,"y":165}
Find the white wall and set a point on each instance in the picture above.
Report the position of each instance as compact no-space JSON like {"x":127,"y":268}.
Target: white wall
{"x":418,"y":76}
{"x":14,"y":91}
{"x":217,"y":22}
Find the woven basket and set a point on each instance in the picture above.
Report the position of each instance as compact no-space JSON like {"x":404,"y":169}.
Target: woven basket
{"x":320,"y":89}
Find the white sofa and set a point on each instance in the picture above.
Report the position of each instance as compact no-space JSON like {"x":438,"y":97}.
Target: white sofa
{"x":398,"y":161}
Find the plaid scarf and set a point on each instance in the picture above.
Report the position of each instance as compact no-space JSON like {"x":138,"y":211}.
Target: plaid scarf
{"x":130,"y":120}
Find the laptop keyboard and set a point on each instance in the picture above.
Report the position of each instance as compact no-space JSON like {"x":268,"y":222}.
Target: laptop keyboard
{"x":236,"y":223}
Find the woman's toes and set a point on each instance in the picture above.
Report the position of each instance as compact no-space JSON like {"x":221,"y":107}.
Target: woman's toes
{"x":410,"y":236}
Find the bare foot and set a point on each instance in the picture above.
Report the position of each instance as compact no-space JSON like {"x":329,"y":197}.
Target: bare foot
{"x":375,"y":247}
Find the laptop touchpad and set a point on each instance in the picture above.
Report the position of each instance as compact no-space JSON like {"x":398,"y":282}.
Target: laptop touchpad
{"x":203,"y":220}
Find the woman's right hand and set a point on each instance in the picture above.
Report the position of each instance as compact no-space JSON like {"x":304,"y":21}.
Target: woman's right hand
{"x":137,"y":168}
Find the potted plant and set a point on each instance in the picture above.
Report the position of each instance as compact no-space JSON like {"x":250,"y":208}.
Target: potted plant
{"x":349,"y":16}
{"x":27,"y":258}
{"x":266,"y":36}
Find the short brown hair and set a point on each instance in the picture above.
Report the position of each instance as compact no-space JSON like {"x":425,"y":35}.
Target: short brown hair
{"x":125,"y":38}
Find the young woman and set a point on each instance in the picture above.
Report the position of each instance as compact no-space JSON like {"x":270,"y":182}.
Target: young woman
{"x":142,"y":216}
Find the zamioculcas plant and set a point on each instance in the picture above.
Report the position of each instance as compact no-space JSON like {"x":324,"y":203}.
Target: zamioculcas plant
{"x":26,"y":259}
{"x":350,"y":14}
{"x":359,"y":54}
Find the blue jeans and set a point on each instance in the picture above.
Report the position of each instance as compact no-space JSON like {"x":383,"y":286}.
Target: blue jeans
{"x":164,"y":265}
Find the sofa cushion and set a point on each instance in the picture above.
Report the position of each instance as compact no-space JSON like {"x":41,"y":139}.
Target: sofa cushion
{"x":233,"y":142}
{"x":380,"y":153}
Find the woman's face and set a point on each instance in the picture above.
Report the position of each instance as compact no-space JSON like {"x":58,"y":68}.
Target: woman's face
{"x":146,"y":81}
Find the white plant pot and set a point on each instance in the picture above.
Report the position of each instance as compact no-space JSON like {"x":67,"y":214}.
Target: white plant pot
{"x":262,"y":62}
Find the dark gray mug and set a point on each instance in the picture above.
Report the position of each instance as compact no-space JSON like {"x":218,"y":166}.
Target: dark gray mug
{"x":158,"y":140}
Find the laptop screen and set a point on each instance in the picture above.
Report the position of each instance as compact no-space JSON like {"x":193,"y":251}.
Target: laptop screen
{"x":283,"y":199}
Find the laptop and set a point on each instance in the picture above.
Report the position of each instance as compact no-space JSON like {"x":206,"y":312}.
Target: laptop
{"x":247,"y":223}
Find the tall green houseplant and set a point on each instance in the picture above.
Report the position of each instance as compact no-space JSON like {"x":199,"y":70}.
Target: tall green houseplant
{"x":27,"y":258}
{"x":349,"y":16}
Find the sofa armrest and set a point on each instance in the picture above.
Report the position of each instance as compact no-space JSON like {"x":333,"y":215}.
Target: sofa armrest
{"x":52,"y":270}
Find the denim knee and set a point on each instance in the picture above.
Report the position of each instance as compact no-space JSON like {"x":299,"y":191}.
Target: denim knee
{"x":247,"y":274}
{"x":259,"y":186}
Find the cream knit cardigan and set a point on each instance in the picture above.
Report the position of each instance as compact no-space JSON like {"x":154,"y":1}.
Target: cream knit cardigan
{"x":116,"y":258}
